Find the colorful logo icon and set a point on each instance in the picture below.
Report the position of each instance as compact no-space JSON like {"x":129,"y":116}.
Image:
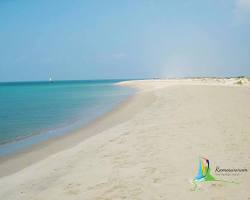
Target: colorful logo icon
{"x":204,"y":173}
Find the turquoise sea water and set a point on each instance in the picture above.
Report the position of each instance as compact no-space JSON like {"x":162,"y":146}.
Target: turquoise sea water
{"x":31,"y":112}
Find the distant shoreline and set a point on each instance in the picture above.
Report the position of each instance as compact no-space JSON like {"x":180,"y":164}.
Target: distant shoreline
{"x":62,"y":81}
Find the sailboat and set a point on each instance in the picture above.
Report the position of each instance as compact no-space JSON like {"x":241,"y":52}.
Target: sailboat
{"x":50,"y":80}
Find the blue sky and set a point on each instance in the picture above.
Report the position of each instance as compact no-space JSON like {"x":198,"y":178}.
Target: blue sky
{"x":83,"y":39}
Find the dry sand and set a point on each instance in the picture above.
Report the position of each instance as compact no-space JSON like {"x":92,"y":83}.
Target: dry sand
{"x":151,"y":150}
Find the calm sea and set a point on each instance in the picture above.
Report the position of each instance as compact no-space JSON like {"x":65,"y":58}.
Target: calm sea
{"x":31,"y":112}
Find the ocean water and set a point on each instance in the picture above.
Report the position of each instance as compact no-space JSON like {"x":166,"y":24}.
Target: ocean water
{"x":31,"y":112}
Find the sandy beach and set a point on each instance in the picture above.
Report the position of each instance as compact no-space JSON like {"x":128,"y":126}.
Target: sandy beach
{"x":148,"y":148}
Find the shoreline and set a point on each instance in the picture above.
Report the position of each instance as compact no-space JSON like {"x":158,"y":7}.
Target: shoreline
{"x":148,"y":148}
{"x":36,"y":114}
{"x":14,"y":162}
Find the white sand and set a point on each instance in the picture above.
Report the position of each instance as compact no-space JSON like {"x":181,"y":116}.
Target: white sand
{"x":154,"y":153}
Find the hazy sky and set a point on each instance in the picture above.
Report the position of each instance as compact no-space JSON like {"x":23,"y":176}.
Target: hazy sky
{"x":87,"y":39}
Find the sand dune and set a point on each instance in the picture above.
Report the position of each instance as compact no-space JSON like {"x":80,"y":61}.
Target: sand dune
{"x":153,"y":153}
